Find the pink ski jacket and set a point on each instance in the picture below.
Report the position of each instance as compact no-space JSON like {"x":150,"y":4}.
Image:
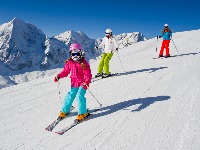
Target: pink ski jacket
{"x":80,"y":72}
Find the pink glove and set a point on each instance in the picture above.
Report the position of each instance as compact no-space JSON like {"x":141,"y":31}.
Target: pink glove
{"x":56,"y":78}
{"x":85,"y":85}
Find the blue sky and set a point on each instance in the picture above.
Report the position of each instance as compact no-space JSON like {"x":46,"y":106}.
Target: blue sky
{"x":93,"y":17}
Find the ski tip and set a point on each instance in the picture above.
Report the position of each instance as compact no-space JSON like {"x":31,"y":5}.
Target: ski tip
{"x":59,"y":133}
{"x":48,"y":129}
{"x":157,"y":58}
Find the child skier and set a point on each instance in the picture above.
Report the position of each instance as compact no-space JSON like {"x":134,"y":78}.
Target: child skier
{"x":111,"y":45}
{"x":167,"y":35}
{"x":80,"y":79}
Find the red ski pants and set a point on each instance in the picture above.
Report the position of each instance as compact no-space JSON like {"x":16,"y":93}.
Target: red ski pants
{"x":165,"y":45}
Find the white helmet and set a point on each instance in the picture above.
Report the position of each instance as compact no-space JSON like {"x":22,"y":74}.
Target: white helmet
{"x":166,"y":25}
{"x":108,"y":32}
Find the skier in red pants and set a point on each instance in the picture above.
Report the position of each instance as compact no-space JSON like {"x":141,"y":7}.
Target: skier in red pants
{"x":167,"y":35}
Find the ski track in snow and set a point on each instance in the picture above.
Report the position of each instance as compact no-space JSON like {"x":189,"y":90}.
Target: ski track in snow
{"x":154,"y":105}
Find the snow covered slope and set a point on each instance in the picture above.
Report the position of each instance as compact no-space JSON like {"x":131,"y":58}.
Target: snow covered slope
{"x":153,"y":105}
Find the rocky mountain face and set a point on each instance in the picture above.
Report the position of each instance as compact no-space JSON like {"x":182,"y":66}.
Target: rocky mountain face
{"x":21,"y":45}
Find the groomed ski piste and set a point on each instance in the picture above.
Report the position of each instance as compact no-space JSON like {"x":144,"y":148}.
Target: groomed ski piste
{"x":154,"y":104}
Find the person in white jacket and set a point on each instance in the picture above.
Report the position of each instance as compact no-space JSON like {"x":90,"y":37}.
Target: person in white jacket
{"x":110,"y":46}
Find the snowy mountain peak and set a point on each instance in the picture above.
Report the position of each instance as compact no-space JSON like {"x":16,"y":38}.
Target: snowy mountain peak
{"x":126,"y":39}
{"x":17,"y":20}
{"x":21,"y":44}
{"x":71,"y":36}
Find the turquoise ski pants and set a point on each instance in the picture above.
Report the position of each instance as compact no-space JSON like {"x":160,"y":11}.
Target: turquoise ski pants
{"x":78,"y":92}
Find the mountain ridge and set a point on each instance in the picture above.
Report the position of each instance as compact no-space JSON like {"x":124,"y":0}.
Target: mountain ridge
{"x":25,"y":48}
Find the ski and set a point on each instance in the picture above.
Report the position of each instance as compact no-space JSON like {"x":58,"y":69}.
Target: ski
{"x":75,"y":122}
{"x":53,"y":124}
{"x":114,"y":74}
{"x":97,"y":76}
{"x":162,"y":57}
{"x":158,"y":57}
{"x":103,"y":76}
{"x":96,"y":79}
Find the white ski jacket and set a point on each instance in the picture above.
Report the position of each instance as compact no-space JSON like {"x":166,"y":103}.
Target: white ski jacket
{"x":110,"y":44}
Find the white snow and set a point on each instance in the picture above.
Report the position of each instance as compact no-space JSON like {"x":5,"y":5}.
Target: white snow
{"x":154,"y":105}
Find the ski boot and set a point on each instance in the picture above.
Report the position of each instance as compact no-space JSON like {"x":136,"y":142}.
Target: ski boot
{"x":98,"y":75}
{"x":107,"y":75}
{"x":61,"y":115}
{"x":167,"y":56}
{"x":81,"y":117}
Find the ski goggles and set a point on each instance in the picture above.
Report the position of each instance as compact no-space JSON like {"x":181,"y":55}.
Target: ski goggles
{"x":76,"y":54}
{"x":108,"y":33}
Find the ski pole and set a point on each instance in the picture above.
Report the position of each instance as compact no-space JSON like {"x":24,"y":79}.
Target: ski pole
{"x":96,"y":53}
{"x":59,"y":92}
{"x":175,"y":46}
{"x":156,"y":44}
{"x":93,"y":96}
{"x":121,"y":63}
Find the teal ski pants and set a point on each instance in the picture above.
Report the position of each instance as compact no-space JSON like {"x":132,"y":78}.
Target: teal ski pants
{"x":78,"y":92}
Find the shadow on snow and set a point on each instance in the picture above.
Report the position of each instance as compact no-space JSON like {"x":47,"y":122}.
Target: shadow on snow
{"x":143,"y":102}
{"x":186,"y":54}
{"x":150,"y":70}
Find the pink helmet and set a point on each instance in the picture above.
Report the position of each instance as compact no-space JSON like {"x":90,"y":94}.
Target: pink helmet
{"x":75,"y":46}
